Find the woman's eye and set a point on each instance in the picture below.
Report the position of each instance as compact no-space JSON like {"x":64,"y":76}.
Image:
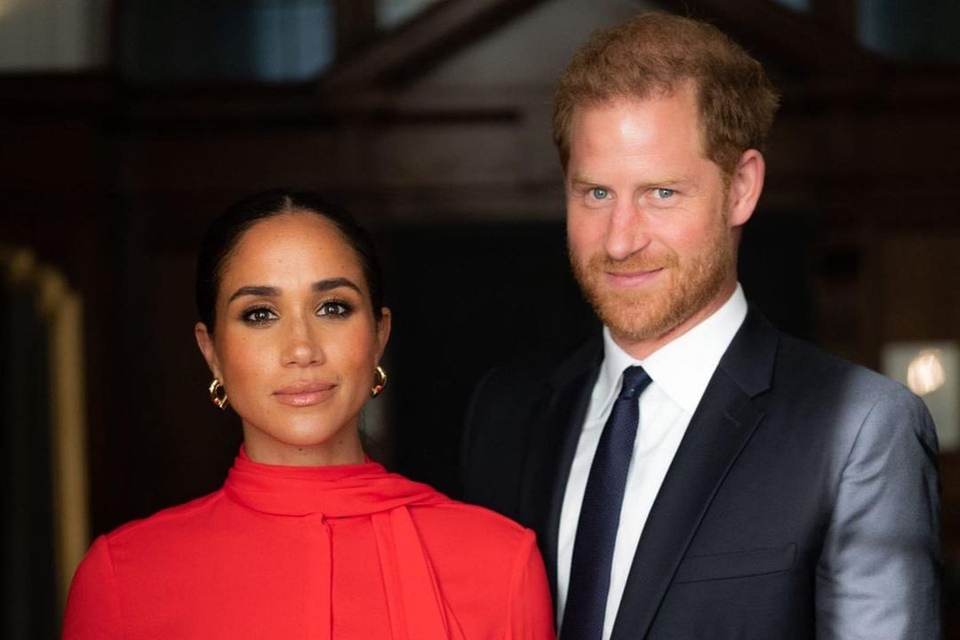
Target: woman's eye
{"x":260,"y":315}
{"x":663,"y":193}
{"x":599,"y":193}
{"x":334,"y":308}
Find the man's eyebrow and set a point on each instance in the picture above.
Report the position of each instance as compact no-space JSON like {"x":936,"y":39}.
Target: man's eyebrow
{"x":667,"y":180}
{"x":582,"y":179}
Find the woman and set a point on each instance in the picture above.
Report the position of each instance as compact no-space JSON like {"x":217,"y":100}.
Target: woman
{"x":307,"y":538}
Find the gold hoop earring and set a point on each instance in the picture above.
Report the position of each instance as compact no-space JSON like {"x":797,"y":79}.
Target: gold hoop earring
{"x":379,"y":381}
{"x":218,"y":394}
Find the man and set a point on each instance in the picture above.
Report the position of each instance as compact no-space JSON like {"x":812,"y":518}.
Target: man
{"x":760,"y":488}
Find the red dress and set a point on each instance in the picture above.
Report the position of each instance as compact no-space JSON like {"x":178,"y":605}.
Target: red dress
{"x":313,"y":552}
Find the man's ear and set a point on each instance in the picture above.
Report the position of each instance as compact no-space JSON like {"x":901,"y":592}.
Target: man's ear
{"x":205,"y":342}
{"x":746,"y":185}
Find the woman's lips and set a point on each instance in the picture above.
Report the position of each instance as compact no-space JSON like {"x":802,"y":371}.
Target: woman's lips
{"x":304,"y":394}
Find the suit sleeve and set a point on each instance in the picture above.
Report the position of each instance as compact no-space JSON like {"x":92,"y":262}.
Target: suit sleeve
{"x":468,"y":453}
{"x":531,"y":611}
{"x":492,"y":454}
{"x":879,"y":571}
{"x":93,"y":605}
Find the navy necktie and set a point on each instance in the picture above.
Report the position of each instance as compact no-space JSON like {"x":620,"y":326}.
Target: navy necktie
{"x":600,"y":514}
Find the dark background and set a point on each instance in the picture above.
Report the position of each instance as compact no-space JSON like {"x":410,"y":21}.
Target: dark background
{"x":434,"y":130}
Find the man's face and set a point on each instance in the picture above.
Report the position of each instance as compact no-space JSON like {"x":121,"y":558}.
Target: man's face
{"x":652,"y":233}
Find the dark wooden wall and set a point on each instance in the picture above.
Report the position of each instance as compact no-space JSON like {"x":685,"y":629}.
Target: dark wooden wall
{"x":856,"y":243}
{"x":115,"y":188}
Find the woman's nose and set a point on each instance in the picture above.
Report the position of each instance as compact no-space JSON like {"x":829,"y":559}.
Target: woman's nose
{"x":303,"y":346}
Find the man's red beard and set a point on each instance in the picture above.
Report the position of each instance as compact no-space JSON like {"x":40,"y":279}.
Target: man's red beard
{"x":683,"y":289}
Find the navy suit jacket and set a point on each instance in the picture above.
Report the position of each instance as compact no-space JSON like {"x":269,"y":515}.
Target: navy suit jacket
{"x":803,"y":501}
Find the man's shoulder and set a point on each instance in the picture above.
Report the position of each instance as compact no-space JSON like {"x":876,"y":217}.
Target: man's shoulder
{"x":802,"y":357}
{"x":523,"y":375}
{"x":805,"y":370}
{"x":809,"y":388}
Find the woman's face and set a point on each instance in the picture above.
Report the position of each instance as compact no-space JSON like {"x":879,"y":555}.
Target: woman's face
{"x":295,"y":342}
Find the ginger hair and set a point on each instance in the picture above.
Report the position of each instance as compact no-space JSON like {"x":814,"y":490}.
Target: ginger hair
{"x":657,"y":54}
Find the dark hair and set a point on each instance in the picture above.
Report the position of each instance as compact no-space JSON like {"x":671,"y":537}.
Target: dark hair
{"x":658,"y":52}
{"x":225,"y":232}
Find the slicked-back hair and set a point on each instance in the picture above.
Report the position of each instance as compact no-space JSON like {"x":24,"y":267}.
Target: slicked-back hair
{"x":225,"y":231}
{"x":657,"y":54}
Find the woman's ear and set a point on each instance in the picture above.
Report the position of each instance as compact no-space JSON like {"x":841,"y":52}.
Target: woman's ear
{"x":383,"y":331}
{"x":205,"y":342}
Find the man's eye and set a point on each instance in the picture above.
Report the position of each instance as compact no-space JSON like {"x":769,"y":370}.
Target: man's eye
{"x":334,"y":309}
{"x":663,"y":193}
{"x":599,"y":193}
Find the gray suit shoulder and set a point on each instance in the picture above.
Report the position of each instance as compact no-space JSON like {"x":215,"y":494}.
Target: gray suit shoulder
{"x":816,"y":366}
{"x":851,"y":393}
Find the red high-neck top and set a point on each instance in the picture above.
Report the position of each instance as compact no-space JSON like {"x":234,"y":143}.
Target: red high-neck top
{"x":313,"y":552}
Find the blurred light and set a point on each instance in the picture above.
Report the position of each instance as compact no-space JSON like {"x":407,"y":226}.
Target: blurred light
{"x":391,"y":13}
{"x":6,"y":6}
{"x":931,"y":369}
{"x":799,"y":5}
{"x":924,"y":31}
{"x":925,"y":373}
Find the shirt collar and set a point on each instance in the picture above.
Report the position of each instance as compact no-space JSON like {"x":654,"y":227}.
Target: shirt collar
{"x":683,"y":367}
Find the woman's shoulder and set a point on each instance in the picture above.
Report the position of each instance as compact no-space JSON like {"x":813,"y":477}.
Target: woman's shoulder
{"x":461,"y":522}
{"x":178,"y":520}
{"x":489,"y":569}
{"x":138,"y":551}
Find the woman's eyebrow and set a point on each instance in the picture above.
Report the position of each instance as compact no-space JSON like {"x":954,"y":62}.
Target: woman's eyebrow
{"x":255,"y":290}
{"x":265,"y":291}
{"x":334,"y":283}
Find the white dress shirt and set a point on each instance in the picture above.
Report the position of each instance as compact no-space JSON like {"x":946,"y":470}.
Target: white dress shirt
{"x":680,"y":371}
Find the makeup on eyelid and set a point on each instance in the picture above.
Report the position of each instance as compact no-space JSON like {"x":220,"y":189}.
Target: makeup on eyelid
{"x":297,"y":343}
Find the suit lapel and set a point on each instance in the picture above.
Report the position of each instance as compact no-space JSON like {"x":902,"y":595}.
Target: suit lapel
{"x":552,"y":444}
{"x":721,"y":426}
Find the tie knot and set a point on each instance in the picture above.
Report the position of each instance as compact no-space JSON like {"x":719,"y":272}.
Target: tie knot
{"x":635,"y":380}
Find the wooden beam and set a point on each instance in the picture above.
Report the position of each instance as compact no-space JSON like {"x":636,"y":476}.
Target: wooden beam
{"x":839,"y":15}
{"x":417,"y":46}
{"x":356,"y":22}
{"x":821,"y":41}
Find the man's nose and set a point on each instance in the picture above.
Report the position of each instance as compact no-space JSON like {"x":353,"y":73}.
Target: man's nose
{"x":628,"y":231}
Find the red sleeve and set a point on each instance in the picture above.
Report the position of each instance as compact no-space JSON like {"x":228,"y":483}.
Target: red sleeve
{"x":531,"y":612}
{"x":93,"y":605}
